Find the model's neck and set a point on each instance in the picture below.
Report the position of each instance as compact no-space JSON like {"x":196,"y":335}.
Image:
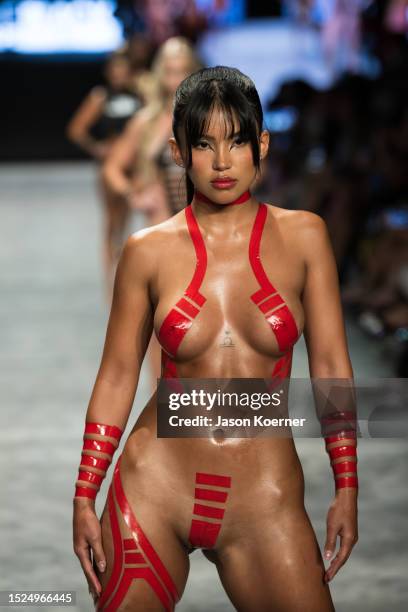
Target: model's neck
{"x":244,"y":197}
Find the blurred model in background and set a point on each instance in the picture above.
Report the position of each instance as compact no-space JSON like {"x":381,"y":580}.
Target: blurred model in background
{"x":95,"y":126}
{"x":139,"y":168}
{"x":140,"y":51}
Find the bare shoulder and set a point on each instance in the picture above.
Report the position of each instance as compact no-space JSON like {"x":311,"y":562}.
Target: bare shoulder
{"x":305,"y":229}
{"x":144,"y":248}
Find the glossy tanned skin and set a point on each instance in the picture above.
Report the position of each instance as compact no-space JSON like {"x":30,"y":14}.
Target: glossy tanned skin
{"x":266,"y":552}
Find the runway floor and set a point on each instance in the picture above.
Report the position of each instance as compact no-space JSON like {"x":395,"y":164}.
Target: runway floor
{"x":53,"y":325}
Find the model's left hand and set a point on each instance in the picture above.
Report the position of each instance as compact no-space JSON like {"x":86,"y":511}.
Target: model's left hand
{"x":342,"y":522}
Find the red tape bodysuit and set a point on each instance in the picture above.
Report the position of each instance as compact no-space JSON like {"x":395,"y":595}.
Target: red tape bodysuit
{"x":135,"y":557}
{"x":203,"y":533}
{"x":180,"y":318}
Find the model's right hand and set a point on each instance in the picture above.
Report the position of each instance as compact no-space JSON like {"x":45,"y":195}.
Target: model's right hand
{"x":87,"y":542}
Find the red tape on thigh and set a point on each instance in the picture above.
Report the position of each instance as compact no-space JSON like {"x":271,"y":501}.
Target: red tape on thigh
{"x":152,"y":569}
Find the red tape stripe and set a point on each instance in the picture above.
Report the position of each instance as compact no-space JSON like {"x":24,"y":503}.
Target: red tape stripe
{"x":342,"y":451}
{"x":203,"y":534}
{"x":188,"y":308}
{"x":103,"y":430}
{"x":347,"y":481}
{"x":146,"y":574}
{"x":95,"y":479}
{"x":281,"y":320}
{"x":192,"y":290}
{"x":272,"y":302}
{"x":175,"y":325}
{"x":129,"y":544}
{"x":213,"y":479}
{"x":282,"y":367}
{"x":99,"y":445}
{"x":96,"y":462}
{"x":344,"y":466}
{"x":209,"y":495}
{"x":254,"y":257}
{"x":242,"y":198}
{"x":85,"y":492}
{"x":208,"y":511}
{"x":131,"y":557}
{"x":284,"y":327}
{"x":169,"y":370}
{"x":140,"y":537}
{"x":173,"y":329}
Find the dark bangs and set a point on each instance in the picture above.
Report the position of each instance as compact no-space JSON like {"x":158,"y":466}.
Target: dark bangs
{"x":231,"y":102}
{"x":220,"y":88}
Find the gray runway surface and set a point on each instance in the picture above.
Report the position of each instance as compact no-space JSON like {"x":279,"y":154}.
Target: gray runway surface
{"x":53,"y":325}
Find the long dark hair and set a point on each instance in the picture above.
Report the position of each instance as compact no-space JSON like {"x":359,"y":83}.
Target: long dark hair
{"x":220,"y":87}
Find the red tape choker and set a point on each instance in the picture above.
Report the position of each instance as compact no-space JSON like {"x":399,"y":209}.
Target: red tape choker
{"x":240,"y":200}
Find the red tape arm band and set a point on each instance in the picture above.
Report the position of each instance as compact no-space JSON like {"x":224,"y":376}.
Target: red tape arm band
{"x":341,"y":445}
{"x":100,"y":443}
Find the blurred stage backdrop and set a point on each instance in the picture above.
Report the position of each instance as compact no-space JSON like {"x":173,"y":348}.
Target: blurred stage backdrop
{"x":52,"y":52}
{"x":332,"y":75}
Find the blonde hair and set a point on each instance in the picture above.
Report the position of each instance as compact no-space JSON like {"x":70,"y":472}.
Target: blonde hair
{"x":175,"y":46}
{"x":156,"y":98}
{"x":172,"y":47}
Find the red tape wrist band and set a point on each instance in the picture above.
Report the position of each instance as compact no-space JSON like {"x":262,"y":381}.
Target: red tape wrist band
{"x":339,"y":424}
{"x":95,"y":462}
{"x":92,"y":469}
{"x":85,"y":492}
{"x":347,"y":481}
{"x":344,"y":466}
{"x":103,"y":430}
{"x":344,"y":435}
{"x":344,"y":470}
{"x":342,"y":451}
{"x":99,"y":445}
{"x":90,"y":477}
